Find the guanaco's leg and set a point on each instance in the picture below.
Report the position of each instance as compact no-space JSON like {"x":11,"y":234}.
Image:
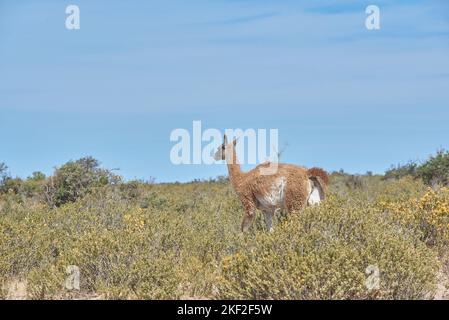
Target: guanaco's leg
{"x":248,"y":219}
{"x":269,"y":219}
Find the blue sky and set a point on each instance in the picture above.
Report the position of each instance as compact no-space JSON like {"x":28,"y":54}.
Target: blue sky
{"x":341,"y":96}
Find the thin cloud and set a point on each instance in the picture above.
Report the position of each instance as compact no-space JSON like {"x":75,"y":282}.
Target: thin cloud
{"x":359,"y":6}
{"x":362,"y":36}
{"x":440,"y":75}
{"x":241,"y":20}
{"x":337,"y":9}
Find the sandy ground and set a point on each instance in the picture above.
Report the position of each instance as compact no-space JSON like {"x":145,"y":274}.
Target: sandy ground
{"x":17,"y":290}
{"x":442,"y":292}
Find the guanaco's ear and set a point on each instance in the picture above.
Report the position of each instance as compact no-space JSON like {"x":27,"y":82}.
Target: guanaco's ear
{"x":225,"y":139}
{"x":235,"y":141}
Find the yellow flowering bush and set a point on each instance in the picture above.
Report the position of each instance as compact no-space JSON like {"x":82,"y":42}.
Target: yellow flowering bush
{"x":428,"y":214}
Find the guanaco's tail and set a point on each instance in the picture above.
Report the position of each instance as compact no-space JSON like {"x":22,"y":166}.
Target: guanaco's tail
{"x":320,"y":179}
{"x":320,"y":174}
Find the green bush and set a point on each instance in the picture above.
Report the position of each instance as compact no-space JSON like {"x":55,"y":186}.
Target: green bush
{"x":400,"y":171}
{"x":12,"y":185}
{"x":74,"y":180}
{"x":435,"y":171}
{"x":33,"y":185}
{"x":3,"y":171}
{"x":30,"y":187}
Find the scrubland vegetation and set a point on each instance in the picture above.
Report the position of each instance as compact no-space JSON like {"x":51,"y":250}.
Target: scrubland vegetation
{"x":142,"y":240}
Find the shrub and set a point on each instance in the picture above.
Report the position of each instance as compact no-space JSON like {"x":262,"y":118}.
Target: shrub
{"x":74,"y":180}
{"x":3,"y":171}
{"x":184,"y":240}
{"x":7,"y":183}
{"x":12,"y":185}
{"x":30,"y":187}
{"x":33,"y":185}
{"x":428,"y":215}
{"x":355,"y":182}
{"x":323,"y":254}
{"x":435,"y":171}
{"x":400,"y":171}
{"x":131,"y":190}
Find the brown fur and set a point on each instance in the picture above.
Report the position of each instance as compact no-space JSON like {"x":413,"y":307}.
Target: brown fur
{"x":320,"y":173}
{"x":320,"y":178}
{"x":252,"y":185}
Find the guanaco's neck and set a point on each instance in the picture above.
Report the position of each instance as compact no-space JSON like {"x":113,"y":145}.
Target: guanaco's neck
{"x":235,"y":172}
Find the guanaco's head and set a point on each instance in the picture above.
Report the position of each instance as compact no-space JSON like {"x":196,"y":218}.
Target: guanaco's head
{"x":221,"y":151}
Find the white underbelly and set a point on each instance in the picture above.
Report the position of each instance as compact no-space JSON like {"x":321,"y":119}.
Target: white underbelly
{"x":314,"y":195}
{"x":274,"y":197}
